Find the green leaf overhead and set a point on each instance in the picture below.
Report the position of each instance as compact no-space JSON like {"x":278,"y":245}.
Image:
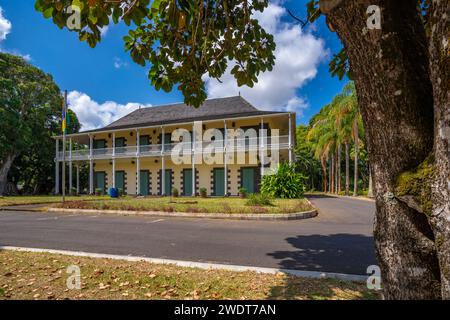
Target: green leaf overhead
{"x":182,"y":40}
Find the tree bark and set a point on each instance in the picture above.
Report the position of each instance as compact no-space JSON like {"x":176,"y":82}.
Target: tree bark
{"x":347,"y":170}
{"x":440,"y":190}
{"x":390,"y":69}
{"x":332,"y":173}
{"x":355,"y":169}
{"x":338,"y":168}
{"x":4,"y":169}
{"x":370,"y":186}
{"x":324,"y":173}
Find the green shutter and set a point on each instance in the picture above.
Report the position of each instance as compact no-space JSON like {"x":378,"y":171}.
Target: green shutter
{"x":248,"y":179}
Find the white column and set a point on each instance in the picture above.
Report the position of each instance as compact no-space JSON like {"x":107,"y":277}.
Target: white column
{"x":261,"y":147}
{"x":290,"y":140}
{"x":114,"y":160}
{"x":91,"y":165}
{"x":193,"y":160}
{"x":70,"y":167}
{"x":225,"y":175}
{"x":138,"y":164}
{"x":138,"y":178}
{"x":78,"y":178}
{"x":163,"y":165}
{"x":57,"y":166}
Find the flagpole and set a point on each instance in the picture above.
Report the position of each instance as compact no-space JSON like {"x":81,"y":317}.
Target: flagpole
{"x":64,"y":117}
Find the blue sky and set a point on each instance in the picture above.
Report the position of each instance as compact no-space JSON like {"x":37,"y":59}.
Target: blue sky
{"x":105,"y":84}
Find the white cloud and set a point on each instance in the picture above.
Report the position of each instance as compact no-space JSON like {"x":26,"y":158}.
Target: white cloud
{"x":298,"y":55}
{"x":119,"y":63}
{"x":5,"y":26}
{"x":104,"y":31}
{"x":93,"y":115}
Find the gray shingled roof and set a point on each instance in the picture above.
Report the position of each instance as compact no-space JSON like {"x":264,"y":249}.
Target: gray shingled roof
{"x":231,"y":107}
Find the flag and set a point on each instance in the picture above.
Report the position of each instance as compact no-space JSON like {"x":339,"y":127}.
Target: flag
{"x":63,"y":117}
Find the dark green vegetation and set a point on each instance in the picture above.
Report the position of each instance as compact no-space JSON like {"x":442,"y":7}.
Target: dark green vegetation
{"x":30,"y":114}
{"x":285,"y":183}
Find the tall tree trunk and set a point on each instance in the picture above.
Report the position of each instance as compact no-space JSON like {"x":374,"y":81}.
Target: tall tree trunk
{"x":338,"y":166}
{"x":396,"y":102}
{"x":332,"y":172}
{"x":330,"y":176}
{"x":324,"y":173}
{"x":440,"y":189}
{"x":4,"y":169}
{"x":370,"y":186}
{"x":355,"y":169}
{"x":347,"y":169}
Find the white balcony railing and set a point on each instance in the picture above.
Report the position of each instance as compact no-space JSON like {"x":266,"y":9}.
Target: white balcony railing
{"x":152,"y":150}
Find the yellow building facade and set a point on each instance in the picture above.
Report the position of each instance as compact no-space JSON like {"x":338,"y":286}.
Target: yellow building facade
{"x":223,"y":146}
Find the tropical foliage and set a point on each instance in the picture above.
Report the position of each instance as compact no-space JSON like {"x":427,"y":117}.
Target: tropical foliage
{"x":284,"y":183}
{"x":325,"y":146}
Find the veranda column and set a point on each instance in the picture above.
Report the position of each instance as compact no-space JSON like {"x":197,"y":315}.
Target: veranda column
{"x":114,"y":160}
{"x":78,"y":178}
{"x":70,"y":167}
{"x":193,"y":160}
{"x":138,"y":164}
{"x":91,"y":165}
{"x":57,"y":166}
{"x":225,"y":176}
{"x":163,"y":165}
{"x":290,"y":140}
{"x":261,"y":147}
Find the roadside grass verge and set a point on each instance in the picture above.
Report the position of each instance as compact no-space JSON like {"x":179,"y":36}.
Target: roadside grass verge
{"x":23,"y":200}
{"x":192,"y":205}
{"x":26,"y":275}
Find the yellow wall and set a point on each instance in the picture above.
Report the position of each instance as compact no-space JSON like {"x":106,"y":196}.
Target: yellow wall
{"x":153,"y":164}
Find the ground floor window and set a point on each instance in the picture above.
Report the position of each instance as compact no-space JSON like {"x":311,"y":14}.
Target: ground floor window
{"x":100,"y":181}
{"x":250,"y":179}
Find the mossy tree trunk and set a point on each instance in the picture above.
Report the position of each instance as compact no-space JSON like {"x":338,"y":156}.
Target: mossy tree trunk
{"x":440,"y":190}
{"x":390,"y":69}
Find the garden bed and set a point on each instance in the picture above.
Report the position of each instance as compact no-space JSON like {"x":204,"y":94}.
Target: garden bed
{"x":190,"y":205}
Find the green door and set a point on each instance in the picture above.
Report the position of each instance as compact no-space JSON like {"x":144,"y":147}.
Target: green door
{"x":187,"y":182}
{"x":219,"y":182}
{"x":167,"y":182}
{"x":248,"y":179}
{"x":144,"y":183}
{"x":100,"y":181}
{"x":120,"y":180}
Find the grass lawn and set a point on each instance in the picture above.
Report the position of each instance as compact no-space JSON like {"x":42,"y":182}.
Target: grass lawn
{"x":22,"y":200}
{"x":192,"y":205}
{"x":25,"y":275}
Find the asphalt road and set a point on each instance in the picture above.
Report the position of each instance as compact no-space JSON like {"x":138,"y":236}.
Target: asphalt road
{"x":338,"y":240}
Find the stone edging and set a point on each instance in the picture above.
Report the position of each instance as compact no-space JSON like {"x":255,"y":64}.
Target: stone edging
{"x":236,"y":216}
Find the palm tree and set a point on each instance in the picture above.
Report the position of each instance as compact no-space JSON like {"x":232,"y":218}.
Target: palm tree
{"x":350,"y":127}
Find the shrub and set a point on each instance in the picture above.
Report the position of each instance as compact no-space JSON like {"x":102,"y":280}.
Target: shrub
{"x":243,"y":193}
{"x":120,"y":191}
{"x":98,"y":192}
{"x":175,"y":192}
{"x":203,"y":192}
{"x":284,"y":183}
{"x":259,"y":199}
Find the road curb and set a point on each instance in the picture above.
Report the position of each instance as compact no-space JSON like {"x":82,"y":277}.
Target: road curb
{"x":249,"y":216}
{"x":199,"y":265}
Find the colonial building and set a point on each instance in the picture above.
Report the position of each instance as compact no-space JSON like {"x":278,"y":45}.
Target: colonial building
{"x":140,"y":153}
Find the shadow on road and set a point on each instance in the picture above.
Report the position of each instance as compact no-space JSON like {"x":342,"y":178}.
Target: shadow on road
{"x":318,"y":196}
{"x":341,"y":253}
